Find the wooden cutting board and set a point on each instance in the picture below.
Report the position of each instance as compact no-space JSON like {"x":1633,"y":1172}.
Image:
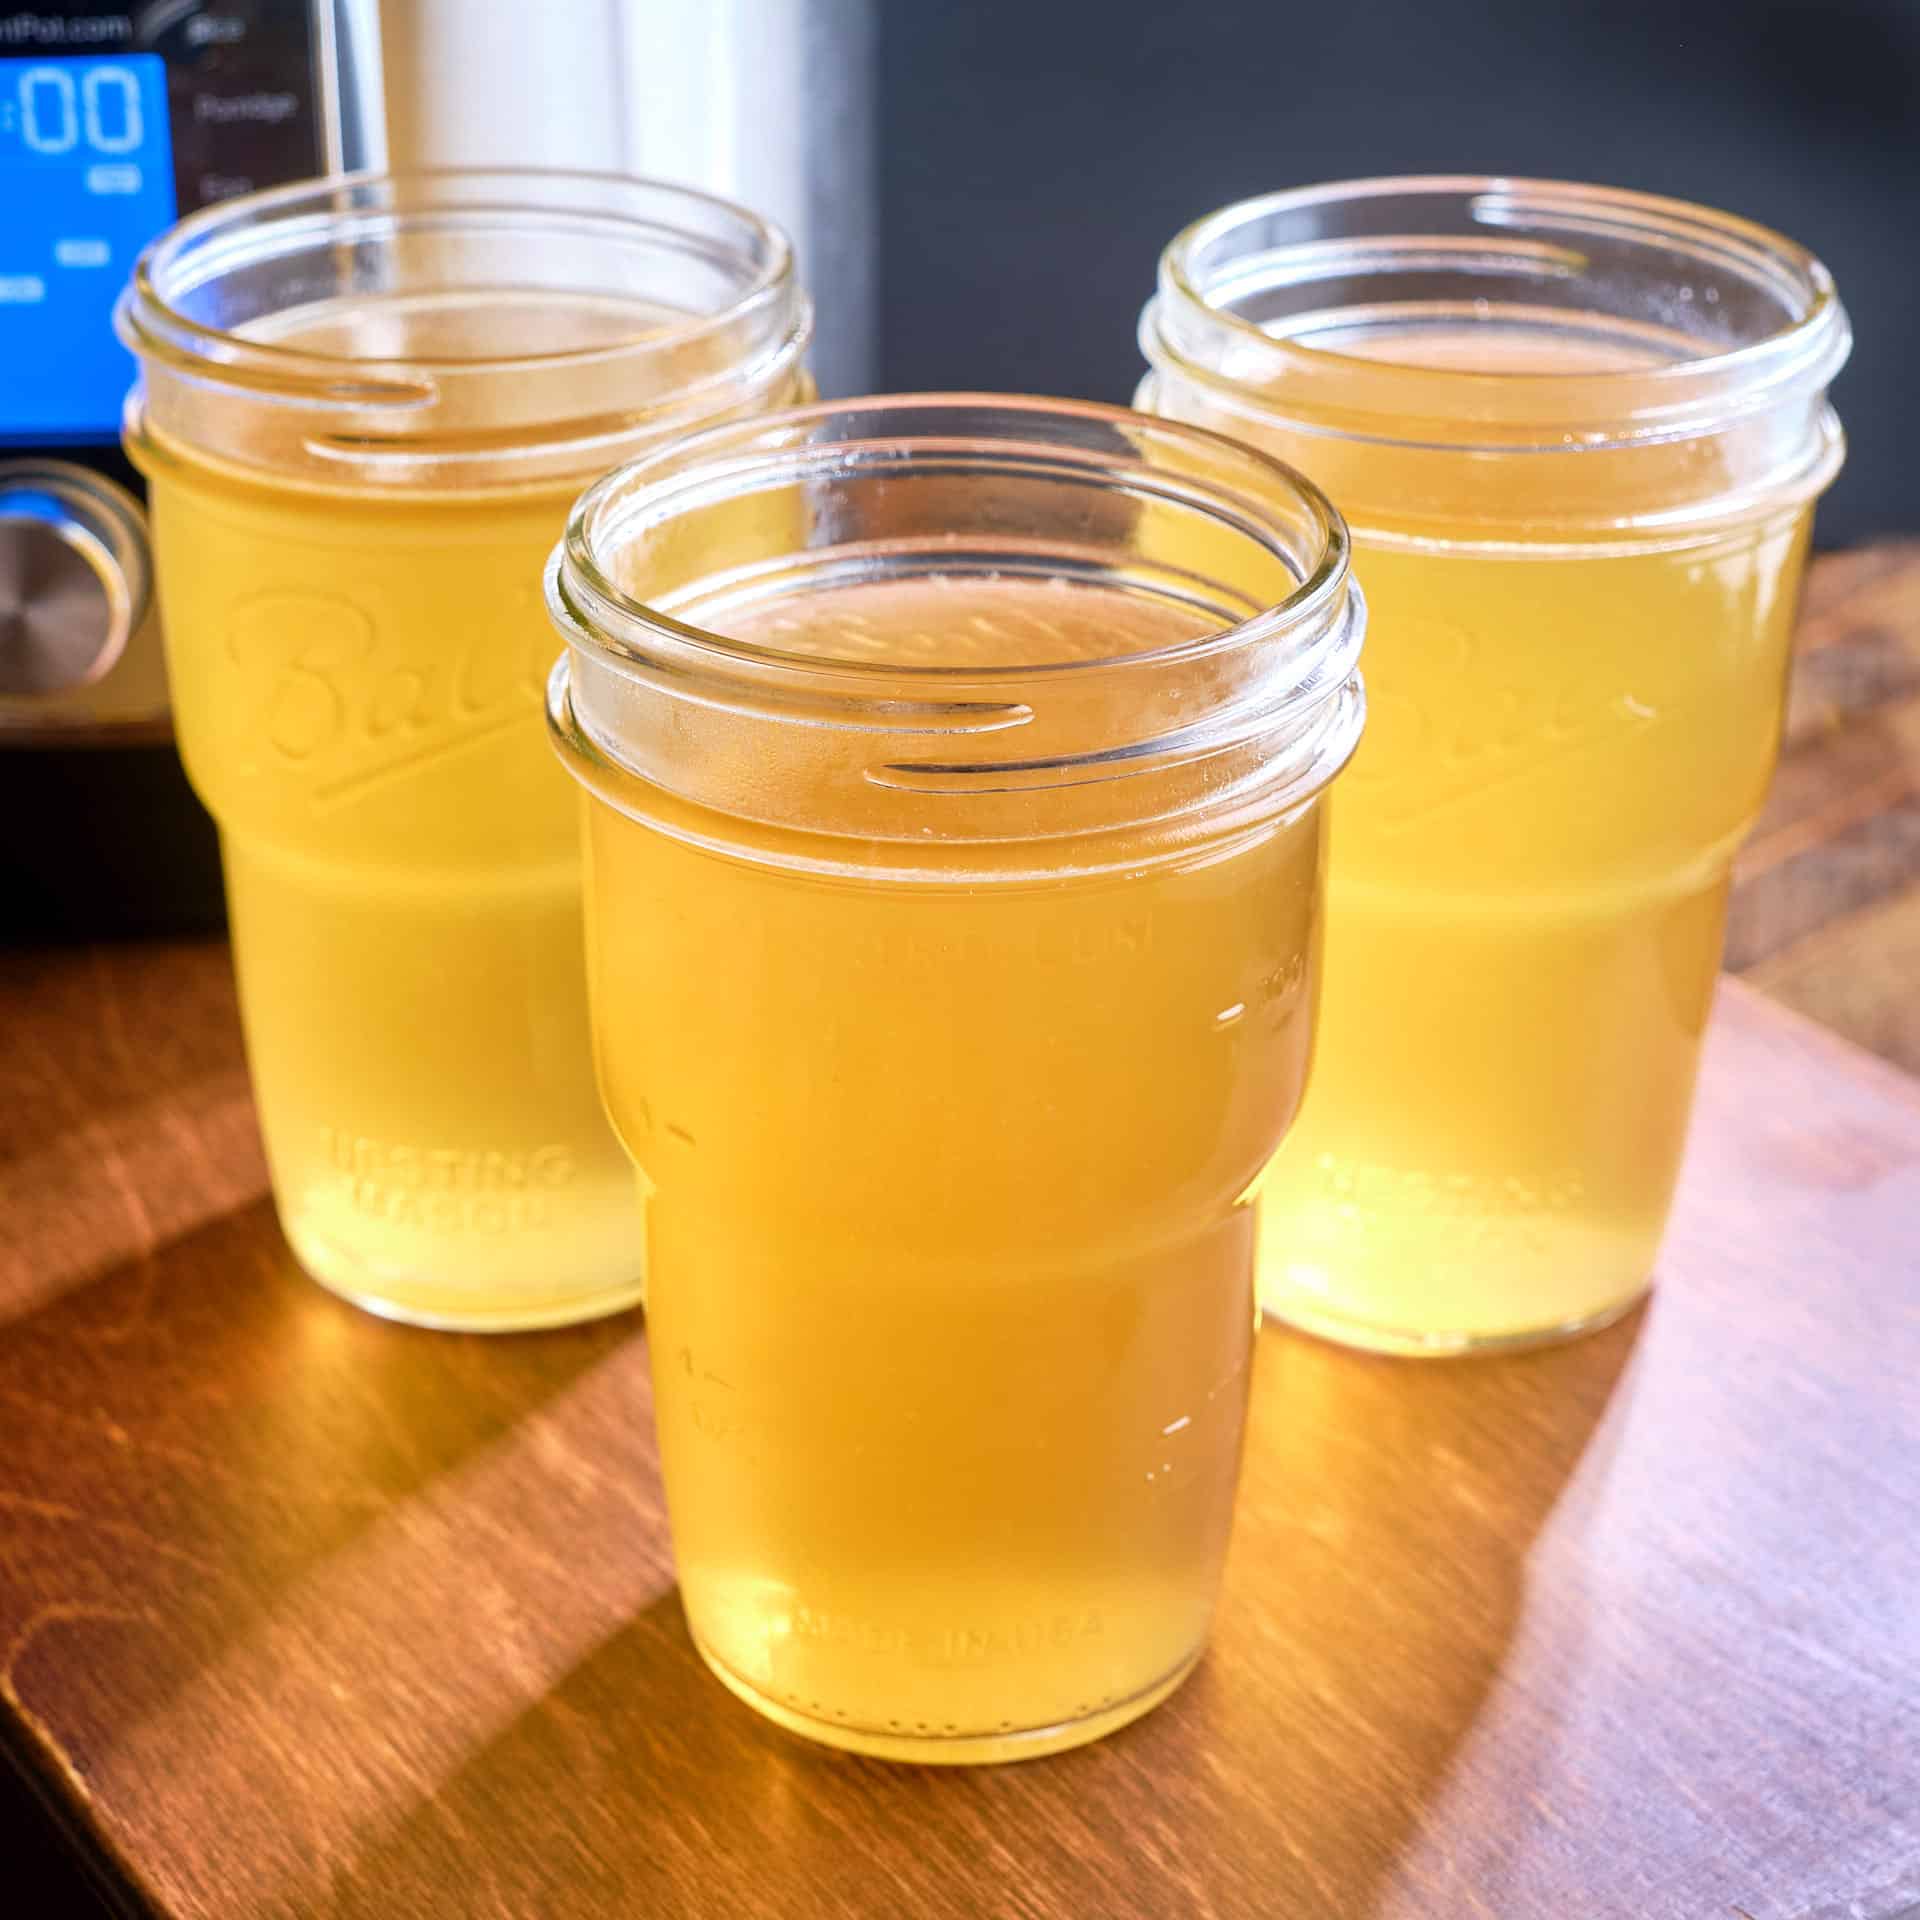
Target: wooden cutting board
{"x":303,"y":1614}
{"x":1826,"y":895}
{"x":300,"y":1614}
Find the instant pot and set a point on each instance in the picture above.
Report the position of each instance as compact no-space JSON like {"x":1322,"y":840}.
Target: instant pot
{"x":114,"y":122}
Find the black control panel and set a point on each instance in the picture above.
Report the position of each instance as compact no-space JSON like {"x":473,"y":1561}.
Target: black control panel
{"x":250,"y":87}
{"x":115,"y":121}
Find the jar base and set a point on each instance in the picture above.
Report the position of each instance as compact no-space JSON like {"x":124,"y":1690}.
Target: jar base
{"x":995,"y":1748}
{"x":445,"y":1310}
{"x":1442,"y":1344}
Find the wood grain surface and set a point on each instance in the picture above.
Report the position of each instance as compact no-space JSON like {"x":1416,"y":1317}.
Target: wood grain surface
{"x":1826,"y":908}
{"x":304,"y":1614}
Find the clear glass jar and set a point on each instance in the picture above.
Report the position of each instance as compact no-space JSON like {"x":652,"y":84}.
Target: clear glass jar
{"x":1578,"y":434}
{"x":364,"y":408}
{"x":954,"y":772}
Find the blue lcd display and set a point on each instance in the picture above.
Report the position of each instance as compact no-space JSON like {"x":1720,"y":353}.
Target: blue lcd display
{"x":86,"y":180}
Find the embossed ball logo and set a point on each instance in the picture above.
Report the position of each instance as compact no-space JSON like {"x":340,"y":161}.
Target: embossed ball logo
{"x":334,"y":699}
{"x":1470,"y":725}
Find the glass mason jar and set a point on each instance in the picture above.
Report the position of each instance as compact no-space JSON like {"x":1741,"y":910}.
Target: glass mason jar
{"x":953,"y":772}
{"x":1578,"y":434}
{"x":364,"y":408}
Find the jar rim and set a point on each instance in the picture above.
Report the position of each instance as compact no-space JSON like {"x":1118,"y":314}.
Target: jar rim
{"x":596,"y":609}
{"x":1191,"y":326}
{"x":240,"y":231}
{"x":1192,"y":741}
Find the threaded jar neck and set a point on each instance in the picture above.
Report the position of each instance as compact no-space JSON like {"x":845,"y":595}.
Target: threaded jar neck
{"x":1047,"y":622}
{"x":457,"y":329}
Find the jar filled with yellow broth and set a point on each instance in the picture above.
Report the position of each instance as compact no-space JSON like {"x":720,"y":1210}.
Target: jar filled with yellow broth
{"x":1578,"y":434}
{"x":364,"y":408}
{"x":954,"y":773}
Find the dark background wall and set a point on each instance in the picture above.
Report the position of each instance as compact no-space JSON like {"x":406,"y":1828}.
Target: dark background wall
{"x":1035,"y":158}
